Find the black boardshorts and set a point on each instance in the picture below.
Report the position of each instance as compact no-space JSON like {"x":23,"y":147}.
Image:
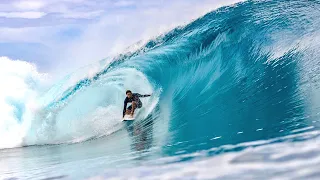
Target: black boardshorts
{"x":139,"y":105}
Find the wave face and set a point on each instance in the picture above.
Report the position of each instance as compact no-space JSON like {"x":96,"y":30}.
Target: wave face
{"x":242,"y":73}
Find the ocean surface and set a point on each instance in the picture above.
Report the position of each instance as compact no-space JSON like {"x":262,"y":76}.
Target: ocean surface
{"x":235,"y":95}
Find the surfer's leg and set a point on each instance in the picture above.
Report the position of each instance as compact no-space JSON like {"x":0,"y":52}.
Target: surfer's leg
{"x":129,"y":110}
{"x":134,"y":105}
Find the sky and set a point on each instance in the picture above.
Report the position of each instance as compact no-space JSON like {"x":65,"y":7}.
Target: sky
{"x":67,"y":34}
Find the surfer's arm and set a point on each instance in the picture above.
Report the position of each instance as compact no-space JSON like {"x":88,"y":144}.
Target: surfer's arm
{"x":146,"y":95}
{"x":125,"y":107}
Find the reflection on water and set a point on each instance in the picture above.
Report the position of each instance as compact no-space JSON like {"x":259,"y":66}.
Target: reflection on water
{"x":141,"y":133}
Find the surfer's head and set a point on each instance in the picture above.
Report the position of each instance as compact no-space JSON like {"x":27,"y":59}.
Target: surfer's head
{"x":129,"y":93}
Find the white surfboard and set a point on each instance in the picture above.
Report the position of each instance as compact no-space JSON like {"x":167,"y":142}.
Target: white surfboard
{"x":128,"y":118}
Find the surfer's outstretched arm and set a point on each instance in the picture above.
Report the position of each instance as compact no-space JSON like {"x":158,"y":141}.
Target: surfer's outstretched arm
{"x":146,"y":95}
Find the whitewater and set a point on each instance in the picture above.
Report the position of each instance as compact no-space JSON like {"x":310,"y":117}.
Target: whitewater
{"x":235,"y":94}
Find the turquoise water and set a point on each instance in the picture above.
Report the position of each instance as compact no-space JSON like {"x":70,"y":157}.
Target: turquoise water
{"x":235,"y":95}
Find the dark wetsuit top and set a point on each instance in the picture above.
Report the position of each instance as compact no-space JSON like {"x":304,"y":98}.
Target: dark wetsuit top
{"x":135,"y":97}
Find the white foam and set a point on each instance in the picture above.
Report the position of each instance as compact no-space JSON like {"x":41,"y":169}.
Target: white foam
{"x":19,"y":83}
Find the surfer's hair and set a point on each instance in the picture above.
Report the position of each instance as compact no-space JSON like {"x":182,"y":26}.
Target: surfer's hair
{"x":128,"y":91}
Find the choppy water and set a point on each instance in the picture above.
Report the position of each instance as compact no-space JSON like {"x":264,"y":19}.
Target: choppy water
{"x":235,"y":95}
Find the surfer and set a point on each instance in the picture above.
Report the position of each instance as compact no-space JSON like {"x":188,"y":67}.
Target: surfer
{"x":135,"y":100}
